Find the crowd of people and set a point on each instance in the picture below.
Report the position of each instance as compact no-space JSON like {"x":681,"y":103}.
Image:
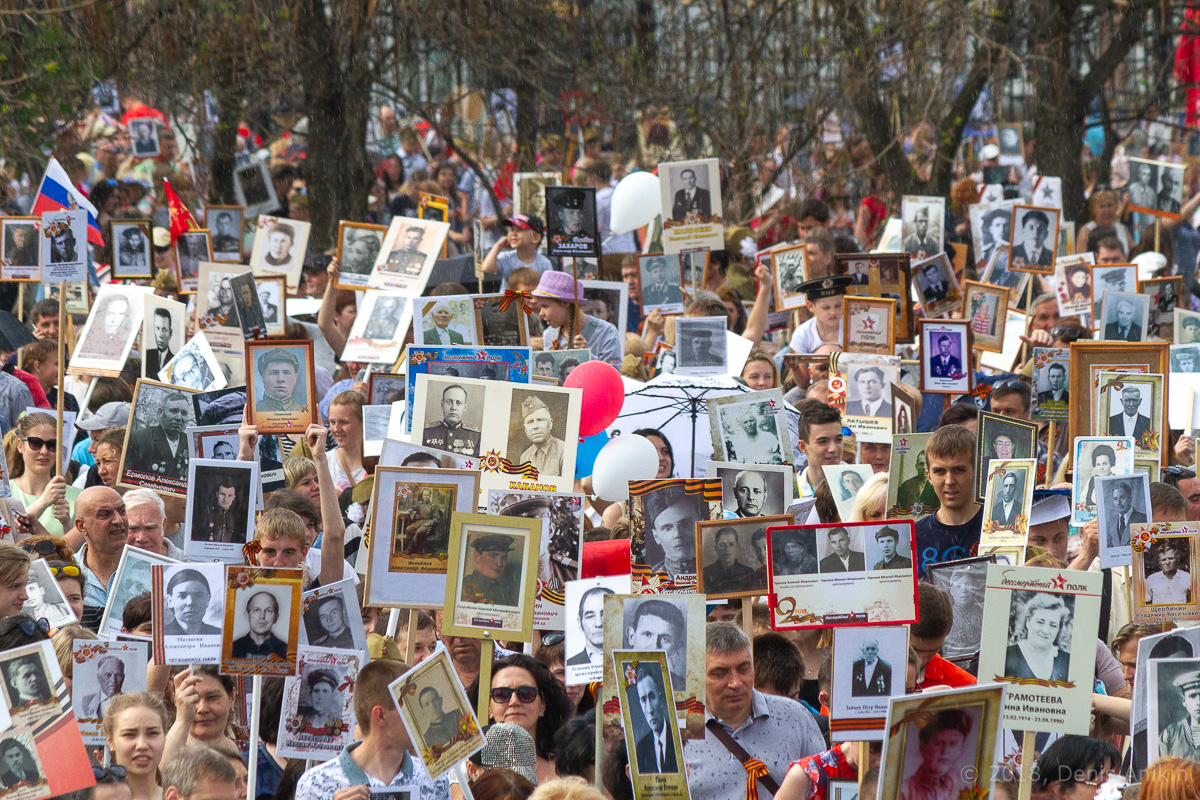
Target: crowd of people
{"x":184,"y":735}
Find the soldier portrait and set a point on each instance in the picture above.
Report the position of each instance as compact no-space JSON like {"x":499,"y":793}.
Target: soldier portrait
{"x":225,"y":224}
{"x":156,"y":453}
{"x":538,"y":432}
{"x":411,"y":252}
{"x":131,"y":245}
{"x":441,"y":725}
{"x":453,"y":417}
{"x":422,"y":522}
{"x":110,"y":329}
{"x":280,"y":386}
{"x":493,"y":572}
{"x":222,"y":496}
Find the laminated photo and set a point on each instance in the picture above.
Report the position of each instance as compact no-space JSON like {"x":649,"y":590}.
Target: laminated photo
{"x":103,"y":670}
{"x":662,"y":524}
{"x":868,"y":669}
{"x":262,"y":618}
{"x":317,"y":717}
{"x":584,"y":628}
{"x":191,"y":598}
{"x":492,"y":587}
{"x":753,"y":490}
{"x":510,"y":364}
{"x":648,"y":717}
{"x":441,"y":723}
{"x":1165,"y":568}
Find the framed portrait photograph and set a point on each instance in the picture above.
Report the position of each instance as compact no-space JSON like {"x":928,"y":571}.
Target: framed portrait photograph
{"x":1041,"y":610}
{"x":700,"y":346}
{"x":731,"y":555}
{"x":191,"y":248}
{"x":946,"y":356}
{"x":673,"y":623}
{"x":45,"y":598}
{"x":963,"y":726}
{"x":1122,"y":502}
{"x":493,"y":586}
{"x":661,"y":284}
{"x":1155,"y":187}
{"x":985,"y":306}
{"x":33,"y":694}
{"x":192,"y":597}
{"x":867,"y":663}
{"x":411,"y":506}
{"x":1124,"y":317}
{"x":272,"y":294}
{"x":1165,"y":572}
{"x":279,"y":247}
{"x":220,"y":508}
{"x":317,"y":719}
{"x":937,"y":288}
{"x":867,"y":382}
{"x":1164,"y":294}
{"x":358,"y":248}
{"x":572,"y":228}
{"x":789,"y":271}
{"x":110,"y":331}
{"x":965,"y":580}
{"x":226,"y":224}
{"x":663,"y":516}
{"x":131,"y":579}
{"x":845,"y":481}
{"x":101,"y":671}
{"x":753,"y":490}
{"x":155,"y":455}
{"x":650,"y":724}
{"x":194,"y":367}
{"x":1090,"y":358}
{"x":865,"y":574}
{"x":377,"y":336}
{"x":1187,"y":326}
{"x":1008,"y":501}
{"x":1035,"y":239}
{"x":64,"y":246}
{"x":1106,"y":278}
{"x":996,"y":272}
{"x":385,"y":388}
{"x":1096,"y":457}
{"x":444,"y":321}
{"x":1051,"y":391}
{"x":1173,"y":695}
{"x":1073,"y":285}
{"x":869,"y":325}
{"x":410,"y":248}
{"x":1000,"y":438}
{"x":254,"y":189}
{"x":280,"y":386}
{"x":19,"y":251}
{"x":262,"y":619}
{"x":584,"y":626}
{"x":607,"y":300}
{"x":889,"y":276}
{"x":129,"y":249}
{"x":692,"y":192}
{"x":924,"y":225}
{"x":164,"y":326}
{"x":1132,"y":405}
{"x":510,"y":364}
{"x":144,"y":135}
{"x":405,"y":454}
{"x":1011,"y":143}
{"x":497,"y":326}
{"x":989,"y":229}
{"x":437,"y":714}
{"x":330,"y":617}
{"x":750,"y":427}
{"x":910,"y":492}
{"x":215,"y":308}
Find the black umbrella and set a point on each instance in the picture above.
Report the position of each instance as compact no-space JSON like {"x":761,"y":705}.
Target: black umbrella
{"x":14,"y":334}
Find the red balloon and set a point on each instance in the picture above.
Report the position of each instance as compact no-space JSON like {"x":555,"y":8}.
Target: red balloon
{"x":603,"y":395}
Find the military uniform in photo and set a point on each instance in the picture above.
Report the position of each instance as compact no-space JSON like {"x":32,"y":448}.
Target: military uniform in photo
{"x":269,"y":402}
{"x":479,"y":588}
{"x":1178,"y":739}
{"x":459,"y":439}
{"x":157,"y":454}
{"x":548,"y":456}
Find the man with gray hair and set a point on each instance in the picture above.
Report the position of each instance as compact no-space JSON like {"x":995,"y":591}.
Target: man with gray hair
{"x":146,"y":518}
{"x":197,"y":771}
{"x":775,"y":730}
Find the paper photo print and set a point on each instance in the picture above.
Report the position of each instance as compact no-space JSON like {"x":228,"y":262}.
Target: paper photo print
{"x":753,"y":490}
{"x":1124,"y":317}
{"x":485,"y":363}
{"x":440,"y":721}
{"x":731,"y":555}
{"x":248,"y":306}
{"x":1051,"y":387}
{"x":64,"y":246}
{"x":945,"y":349}
{"x":1122,"y":502}
{"x":789,"y":269}
{"x":194,"y":367}
{"x":1132,"y":405}
{"x":103,"y":670}
{"x":572,"y":227}
{"x":691,"y":190}
{"x":1187,"y":327}
{"x":19,"y":252}
{"x":1164,"y":294}
{"x":192,"y":597}
{"x":1007,"y":502}
{"x":910,"y":492}
{"x":584,"y":628}
{"x":410,"y":248}
{"x":130,"y":249}
{"x":1096,"y":457}
{"x":225,"y":223}
{"x":1042,"y":610}
{"x":1073,"y":285}
{"x":144,"y":133}
{"x":385,"y":388}
{"x":317,"y":718}
{"x":1115,"y":279}
{"x":869,"y":325}
{"x":357,"y":250}
{"x":262,"y":618}
{"x":131,"y":580}
{"x":1000,"y":438}
{"x":1035,"y":238}
{"x":444,"y":321}
{"x":1164,"y":572}
{"x":924,"y":225}
{"x":700,"y":346}
{"x":164,"y":326}
{"x":279,"y":247}
{"x":215,"y":308}
{"x":45,"y":599}
{"x":750,"y":428}
{"x":280,"y":386}
{"x":494,"y":583}
{"x":648,"y":717}
{"x":965,"y":580}
{"x":663,"y":517}
{"x":110,"y":331}
{"x":845,"y":481}
{"x":661,"y":284}
{"x":990,"y":229}
{"x":411,"y":508}
{"x":155,"y":455}
{"x":377,"y":336}
{"x":191,"y":249}
{"x":985,"y":307}
{"x":330,"y":617}
{"x":867,"y":670}
{"x":553,"y":366}
{"x":220,"y":509}
{"x":1155,"y":187}
{"x":254,"y":189}
{"x":498,"y":324}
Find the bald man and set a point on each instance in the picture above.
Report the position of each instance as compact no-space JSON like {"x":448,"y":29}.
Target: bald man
{"x":750,"y":492}
{"x":100,"y":518}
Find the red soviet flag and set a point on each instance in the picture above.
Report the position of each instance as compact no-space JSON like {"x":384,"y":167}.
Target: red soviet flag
{"x":181,"y":219}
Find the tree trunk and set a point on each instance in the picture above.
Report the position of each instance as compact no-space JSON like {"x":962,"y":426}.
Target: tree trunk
{"x":337,"y":170}
{"x":1059,"y":149}
{"x":220,"y":185}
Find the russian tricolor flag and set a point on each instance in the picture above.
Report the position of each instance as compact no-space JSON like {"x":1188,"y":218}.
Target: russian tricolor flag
{"x":57,"y":194}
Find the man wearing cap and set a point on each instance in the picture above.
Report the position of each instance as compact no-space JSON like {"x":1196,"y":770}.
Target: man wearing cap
{"x":408,"y":260}
{"x":226,"y":239}
{"x":545,"y":451}
{"x":888,"y":539}
{"x":823,"y":299}
{"x":944,"y":364}
{"x":442,"y":727}
{"x":671,"y":517}
{"x":493,"y":580}
{"x":726,"y":574}
{"x":658,"y":291}
{"x":792,"y":557}
{"x":187,"y":599}
{"x":919,"y":242}
{"x":1182,"y":737}
{"x":279,"y":245}
{"x":324,"y":703}
{"x":133,"y":248}
{"x":441,"y":333}
{"x":162,"y":448}
{"x":158,"y":356}
{"x":1170,"y":585}
{"x":570,"y":214}
{"x":280,"y":371}
{"x":691,"y":199}
{"x":517,"y":248}
{"x":702,"y":354}
{"x":557,"y":298}
{"x":427,"y":518}
{"x":451,"y":434}
{"x":270,"y":310}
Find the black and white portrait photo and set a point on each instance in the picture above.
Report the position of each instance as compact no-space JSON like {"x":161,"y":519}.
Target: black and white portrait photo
{"x":1131,"y":405}
{"x":26,"y":681}
{"x":1124,"y":316}
{"x":387,"y":388}
{"x":1000,"y":439}
{"x":924,"y":225}
{"x":840,"y":549}
{"x":1039,"y":636}
{"x":749,"y":428}
{"x":144,"y":135}
{"x":270,"y":297}
{"x":412,"y":244}
{"x":700,"y":346}
{"x":1174,"y":707}
{"x":249,"y":306}
{"x":100,"y":675}
{"x":571,"y":223}
{"x":940,"y":752}
{"x":500,"y":327}
{"x":691,"y":194}
{"x":670,"y":515}
{"x":221,"y":504}
{"x":1035,"y":234}
{"x":888,"y":547}
{"x":384,"y":317}
{"x":845,"y":481}
{"x":254,"y":189}
{"x":653,"y":724}
{"x":193,"y":614}
{"x":584,"y":625}
{"x":437,"y":714}
{"x":19,"y":256}
{"x":732,"y":557}
{"x":453,"y":417}
{"x":1097,"y":457}
{"x":358,"y":248}
{"x":44,"y":598}
{"x":1110,"y":279}
{"x":661,"y":283}
{"x":1168,"y":580}
{"x":1009,"y":140}
{"x":279,"y":245}
{"x":194,"y":367}
{"x":556,"y":365}
{"x":261,"y":614}
{"x":317,"y":715}
{"x":1051,"y":390}
{"x":225,"y":225}
{"x":1156,"y":187}
{"x":753,"y":490}
{"x":965,"y":581}
{"x":1008,"y":497}
{"x":64,"y":245}
{"x":131,"y":257}
{"x":21,"y":766}
{"x":214,"y":297}
{"x":794,"y":552}
{"x":156,"y":452}
{"x":868,"y":668}
{"x":936,"y":287}
{"x":1185,"y":358}
{"x":868,"y":392}
{"x":1122,"y":502}
{"x":990,"y":229}
{"x":191,"y":247}
{"x":113,"y":324}
{"x":658,"y":623}
{"x":131,"y":579}
{"x":330,"y":617}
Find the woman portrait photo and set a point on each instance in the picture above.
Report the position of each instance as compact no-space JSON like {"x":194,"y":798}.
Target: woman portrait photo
{"x":1039,"y":639}
{"x":1079,"y":281}
{"x":995,"y":232}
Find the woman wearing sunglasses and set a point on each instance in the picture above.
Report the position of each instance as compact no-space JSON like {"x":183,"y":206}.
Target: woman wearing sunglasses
{"x":525,"y":693}
{"x":31,"y":449}
{"x":135,"y":725}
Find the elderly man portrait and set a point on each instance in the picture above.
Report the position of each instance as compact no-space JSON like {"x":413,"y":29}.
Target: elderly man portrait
{"x":110,"y":675}
{"x":870,"y":674}
{"x":750,"y":493}
{"x":441,"y":332}
{"x":545,"y":451}
{"x":109,"y":331}
{"x":262,"y":611}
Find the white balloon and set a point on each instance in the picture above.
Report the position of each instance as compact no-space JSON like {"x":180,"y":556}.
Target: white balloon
{"x":636,"y":201}
{"x":626,"y":458}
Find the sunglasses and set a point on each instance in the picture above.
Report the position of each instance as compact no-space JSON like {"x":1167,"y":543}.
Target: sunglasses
{"x":70,"y":571}
{"x":525,"y":694}
{"x":45,"y":547}
{"x":115,"y":770}
{"x":29,"y":627}
{"x":551,"y":639}
{"x":37,"y":444}
{"x":1069,"y":332}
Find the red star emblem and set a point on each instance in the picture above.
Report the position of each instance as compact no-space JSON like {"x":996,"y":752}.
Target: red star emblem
{"x":469,"y":464}
{"x":869,"y":323}
{"x":1059,"y":582}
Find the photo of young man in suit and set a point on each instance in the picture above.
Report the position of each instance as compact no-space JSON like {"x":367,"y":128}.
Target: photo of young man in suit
{"x":841,"y":557}
{"x":655,"y":748}
{"x":1007,"y":506}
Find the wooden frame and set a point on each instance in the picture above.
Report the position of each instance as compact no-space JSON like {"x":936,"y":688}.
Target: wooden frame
{"x":885,"y":344}
{"x":966,"y":380}
{"x":1086,"y":354}
{"x":122,"y":225}
{"x":463,"y":525}
{"x":281,"y":421}
{"x":991,"y":426}
{"x":1018,"y":262}
{"x":787,"y":300}
{"x":361,"y":278}
{"x":987,"y":336}
{"x":745,"y":545}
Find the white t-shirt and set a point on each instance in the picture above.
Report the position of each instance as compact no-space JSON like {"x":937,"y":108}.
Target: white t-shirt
{"x":806,"y":340}
{"x":340,"y":480}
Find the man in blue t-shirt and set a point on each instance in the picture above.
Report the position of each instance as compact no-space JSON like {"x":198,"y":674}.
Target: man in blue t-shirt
{"x":951,"y":532}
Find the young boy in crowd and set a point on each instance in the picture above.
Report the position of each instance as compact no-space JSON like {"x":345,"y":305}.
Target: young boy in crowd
{"x":951,"y":532}
{"x":517,"y":249}
{"x":823,"y":299}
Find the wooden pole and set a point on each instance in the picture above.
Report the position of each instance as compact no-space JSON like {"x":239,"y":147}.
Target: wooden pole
{"x":486,"y":656}
{"x":748,"y":616}
{"x":574,"y":302}
{"x":1027,"y":744}
{"x":864,"y":756}
{"x":62,"y":366}
{"x":1157,"y":233}
{"x":410,"y":642}
{"x":1050,"y":454}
